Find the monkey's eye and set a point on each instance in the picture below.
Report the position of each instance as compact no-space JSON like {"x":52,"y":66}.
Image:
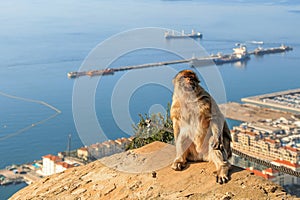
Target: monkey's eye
{"x":186,"y":77}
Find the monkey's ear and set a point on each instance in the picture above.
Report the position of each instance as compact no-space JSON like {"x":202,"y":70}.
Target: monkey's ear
{"x":174,"y":79}
{"x":197,"y":79}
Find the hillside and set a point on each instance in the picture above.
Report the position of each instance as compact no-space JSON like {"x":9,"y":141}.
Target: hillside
{"x":130,"y":176}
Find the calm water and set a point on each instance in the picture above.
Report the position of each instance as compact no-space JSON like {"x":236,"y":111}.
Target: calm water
{"x":7,"y":191}
{"x":42,"y":41}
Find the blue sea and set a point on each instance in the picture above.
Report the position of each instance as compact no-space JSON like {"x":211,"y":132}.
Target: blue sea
{"x":41,"y":41}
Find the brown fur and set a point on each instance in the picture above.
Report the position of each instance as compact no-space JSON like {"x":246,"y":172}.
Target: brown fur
{"x":200,"y":130}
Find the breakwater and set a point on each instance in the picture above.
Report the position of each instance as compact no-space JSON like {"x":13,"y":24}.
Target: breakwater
{"x":43,"y":103}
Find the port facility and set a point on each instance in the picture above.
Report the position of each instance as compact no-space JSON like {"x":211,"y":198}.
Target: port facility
{"x":288,"y":100}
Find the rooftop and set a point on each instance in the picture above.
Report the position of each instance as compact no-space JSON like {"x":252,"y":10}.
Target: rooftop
{"x":261,"y":174}
{"x":64,"y":164}
{"x":52,"y":157}
{"x":291,"y":149}
{"x":286,"y":163}
{"x":271,"y":171}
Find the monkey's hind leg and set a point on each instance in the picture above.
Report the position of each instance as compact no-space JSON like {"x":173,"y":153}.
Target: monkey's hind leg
{"x":183,"y":144}
{"x":219,"y":158}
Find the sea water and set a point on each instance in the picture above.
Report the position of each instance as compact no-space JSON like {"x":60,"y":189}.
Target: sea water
{"x":42,"y":41}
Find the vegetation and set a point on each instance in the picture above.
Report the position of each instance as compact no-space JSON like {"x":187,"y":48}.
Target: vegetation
{"x":152,"y":128}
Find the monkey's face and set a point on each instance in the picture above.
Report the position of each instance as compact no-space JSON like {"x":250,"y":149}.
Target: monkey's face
{"x":186,"y":80}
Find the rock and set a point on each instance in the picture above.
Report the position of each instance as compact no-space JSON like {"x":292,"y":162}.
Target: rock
{"x":228,"y":196}
{"x":153,"y":174}
{"x":130,"y":175}
{"x":79,"y":191}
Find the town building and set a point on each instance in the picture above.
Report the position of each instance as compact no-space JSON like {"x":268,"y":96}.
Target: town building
{"x":83,"y":153}
{"x":49,"y":164}
{"x":53,"y":164}
{"x":107,"y":148}
{"x":276,"y":176}
{"x":268,"y":140}
{"x":292,"y":166}
{"x":62,"y":166}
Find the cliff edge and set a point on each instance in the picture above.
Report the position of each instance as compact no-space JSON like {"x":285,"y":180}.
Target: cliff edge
{"x":145,"y":173}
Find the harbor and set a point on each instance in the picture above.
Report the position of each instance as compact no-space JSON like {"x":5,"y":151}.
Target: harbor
{"x":19,"y":173}
{"x":239,"y":54}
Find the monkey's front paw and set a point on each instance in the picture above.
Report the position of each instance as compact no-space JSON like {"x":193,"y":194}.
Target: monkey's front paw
{"x":222,"y":179}
{"x":216,"y":145}
{"x":222,"y":174}
{"x":178,"y":166}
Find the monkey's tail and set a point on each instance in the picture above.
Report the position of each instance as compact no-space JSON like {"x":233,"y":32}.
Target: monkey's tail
{"x":227,"y":140}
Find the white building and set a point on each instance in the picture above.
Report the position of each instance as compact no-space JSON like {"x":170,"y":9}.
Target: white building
{"x":49,"y":164}
{"x":62,"y":166}
{"x":54,"y":164}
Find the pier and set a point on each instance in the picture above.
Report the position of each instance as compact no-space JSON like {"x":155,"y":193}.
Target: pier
{"x":239,"y":54}
{"x":9,"y":177}
{"x":111,"y":71}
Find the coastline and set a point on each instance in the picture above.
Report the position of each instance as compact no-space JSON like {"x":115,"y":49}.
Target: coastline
{"x":32,"y":172}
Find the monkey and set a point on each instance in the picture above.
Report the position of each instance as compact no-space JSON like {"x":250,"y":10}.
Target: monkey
{"x":200,"y":130}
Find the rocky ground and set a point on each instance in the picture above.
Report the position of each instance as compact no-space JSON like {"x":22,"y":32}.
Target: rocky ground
{"x":145,"y":173}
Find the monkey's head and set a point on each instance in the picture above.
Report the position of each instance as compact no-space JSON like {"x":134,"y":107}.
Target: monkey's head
{"x":186,"y":81}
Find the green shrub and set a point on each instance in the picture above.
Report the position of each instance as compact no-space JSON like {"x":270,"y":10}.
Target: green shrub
{"x":152,"y":128}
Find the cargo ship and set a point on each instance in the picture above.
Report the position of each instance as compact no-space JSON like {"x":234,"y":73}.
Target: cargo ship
{"x":262,"y":51}
{"x":170,"y":35}
{"x":239,"y":54}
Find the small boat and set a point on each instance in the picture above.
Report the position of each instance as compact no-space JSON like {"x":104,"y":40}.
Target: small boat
{"x":257,"y":42}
